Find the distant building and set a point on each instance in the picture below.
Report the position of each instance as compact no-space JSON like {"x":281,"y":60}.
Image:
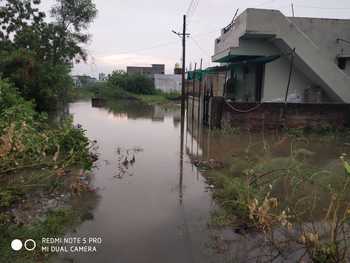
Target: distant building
{"x":81,"y":81}
{"x":167,"y":83}
{"x":102,"y":77}
{"x":76,"y":81}
{"x":178,"y":69}
{"x":149,"y":71}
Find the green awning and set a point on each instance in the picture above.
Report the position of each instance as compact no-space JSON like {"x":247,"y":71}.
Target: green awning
{"x":257,"y":60}
{"x":199,"y":74}
{"x":234,"y":58}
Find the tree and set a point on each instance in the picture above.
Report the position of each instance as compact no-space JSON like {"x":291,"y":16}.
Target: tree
{"x":37,"y":55}
{"x":72,"y":19}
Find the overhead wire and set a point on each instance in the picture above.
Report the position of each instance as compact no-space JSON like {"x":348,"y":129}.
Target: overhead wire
{"x":206,"y":52}
{"x":192,"y":7}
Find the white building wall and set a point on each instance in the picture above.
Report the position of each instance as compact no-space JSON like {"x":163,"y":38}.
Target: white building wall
{"x":268,"y":32}
{"x":276,"y":82}
{"x":168,"y":83}
{"x":277,"y":72}
{"x":324,"y":32}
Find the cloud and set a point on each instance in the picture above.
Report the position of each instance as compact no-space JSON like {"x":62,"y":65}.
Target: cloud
{"x":130,"y":59}
{"x":108,"y":63}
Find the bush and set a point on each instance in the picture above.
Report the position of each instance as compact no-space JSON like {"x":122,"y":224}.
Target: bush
{"x":137,"y":84}
{"x":46,"y":84}
{"x":26,"y":139}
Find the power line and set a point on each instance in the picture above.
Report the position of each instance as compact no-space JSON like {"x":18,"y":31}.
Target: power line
{"x":192,"y":7}
{"x":189,"y":7}
{"x":206,"y":52}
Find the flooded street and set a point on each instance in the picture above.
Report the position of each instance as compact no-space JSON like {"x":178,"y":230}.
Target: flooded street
{"x":150,"y":214}
{"x":154,"y":208}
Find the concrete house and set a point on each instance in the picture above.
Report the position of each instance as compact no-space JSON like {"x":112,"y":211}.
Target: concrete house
{"x":168,"y":82}
{"x":149,"y":71}
{"x":266,"y":57}
{"x":276,"y":71}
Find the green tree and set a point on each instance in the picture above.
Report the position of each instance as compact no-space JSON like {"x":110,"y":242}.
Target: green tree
{"x":72,"y":18}
{"x":37,"y":55}
{"x":134,"y":83}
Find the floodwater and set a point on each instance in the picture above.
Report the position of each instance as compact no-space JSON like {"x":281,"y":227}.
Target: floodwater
{"x":154,"y":205}
{"x":155,"y":210}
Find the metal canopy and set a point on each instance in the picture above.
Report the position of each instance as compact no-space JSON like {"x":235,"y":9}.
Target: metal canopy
{"x":240,"y":59}
{"x":243,"y":60}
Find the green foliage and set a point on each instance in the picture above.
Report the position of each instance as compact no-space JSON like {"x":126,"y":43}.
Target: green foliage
{"x":221,"y":218}
{"x":8,"y":198}
{"x":37,"y":55}
{"x":346,"y":164}
{"x":45,"y":83}
{"x":232,"y":193}
{"x":33,"y":158}
{"x":153,"y":99}
{"x":173,"y":95}
{"x":288,"y":193}
{"x":26,"y":139}
{"x":133,"y":83}
{"x":72,"y":18}
{"x":55,"y":224}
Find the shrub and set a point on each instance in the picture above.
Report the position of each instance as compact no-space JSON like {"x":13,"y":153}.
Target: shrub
{"x":133,"y":83}
{"x":26,"y":139}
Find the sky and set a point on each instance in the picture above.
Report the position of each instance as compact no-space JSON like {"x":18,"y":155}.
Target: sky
{"x":139,"y":32}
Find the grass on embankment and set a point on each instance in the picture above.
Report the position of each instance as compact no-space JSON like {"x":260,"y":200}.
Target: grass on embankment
{"x":54,"y":225}
{"x":42,"y":167}
{"x":258,"y":191}
{"x":159,"y":98}
{"x":81,"y":94}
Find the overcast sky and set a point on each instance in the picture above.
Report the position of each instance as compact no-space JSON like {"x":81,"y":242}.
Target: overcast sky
{"x":138,"y":32}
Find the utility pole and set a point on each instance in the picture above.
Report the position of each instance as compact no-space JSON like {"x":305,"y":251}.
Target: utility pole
{"x":183,"y":35}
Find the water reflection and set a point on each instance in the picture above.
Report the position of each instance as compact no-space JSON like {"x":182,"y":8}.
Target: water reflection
{"x":160,"y":213}
{"x":135,"y":110}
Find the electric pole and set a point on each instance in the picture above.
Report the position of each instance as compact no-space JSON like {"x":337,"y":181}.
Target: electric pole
{"x":183,"y":91}
{"x":183,"y":35}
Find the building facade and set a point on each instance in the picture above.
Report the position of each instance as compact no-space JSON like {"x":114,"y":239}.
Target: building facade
{"x":102,"y":77}
{"x":168,"y":83}
{"x":268,"y":57}
{"x":149,"y":71}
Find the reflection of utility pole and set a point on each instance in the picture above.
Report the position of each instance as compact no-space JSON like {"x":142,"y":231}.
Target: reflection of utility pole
{"x":183,"y":97}
{"x":181,"y":162}
{"x":192,"y":110}
{"x":183,"y":35}
{"x":199,"y":105}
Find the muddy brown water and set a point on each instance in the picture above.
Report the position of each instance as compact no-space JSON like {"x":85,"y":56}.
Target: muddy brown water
{"x":147,"y":215}
{"x":158,"y":210}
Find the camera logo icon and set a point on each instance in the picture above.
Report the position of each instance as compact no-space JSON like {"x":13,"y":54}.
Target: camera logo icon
{"x":17,"y":245}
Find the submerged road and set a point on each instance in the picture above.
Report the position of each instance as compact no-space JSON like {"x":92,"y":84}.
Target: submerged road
{"x":151,"y":208}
